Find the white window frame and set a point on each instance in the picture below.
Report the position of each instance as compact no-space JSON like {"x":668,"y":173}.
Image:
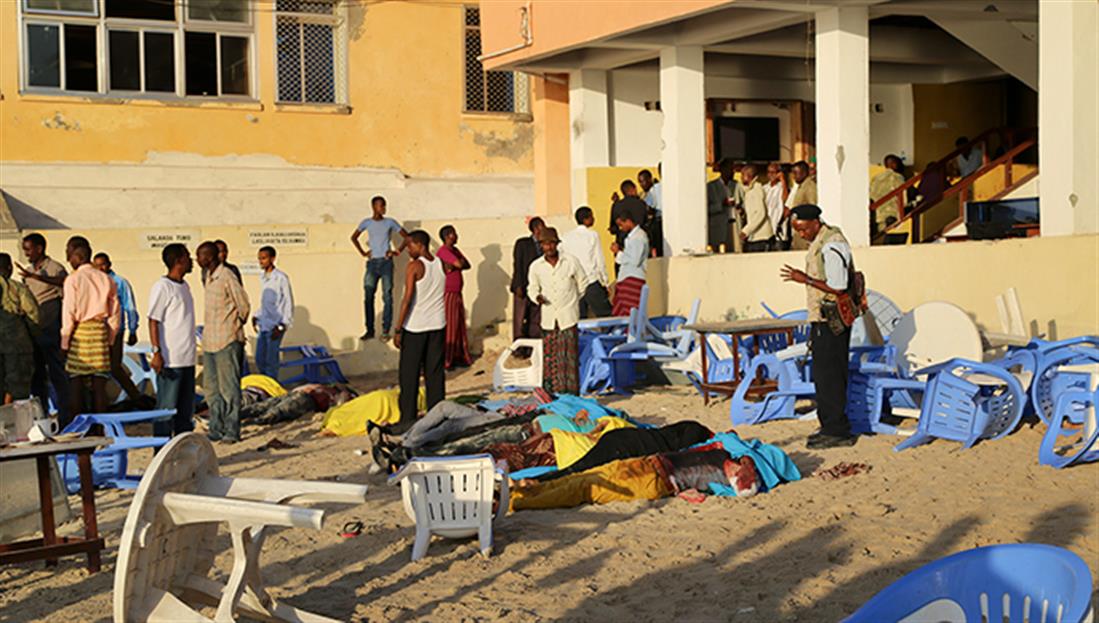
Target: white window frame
{"x":104,"y":25}
{"x":29,"y":11}
{"x":338,"y":21}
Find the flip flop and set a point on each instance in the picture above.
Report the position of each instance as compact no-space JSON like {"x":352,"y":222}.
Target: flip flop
{"x":352,"y":529}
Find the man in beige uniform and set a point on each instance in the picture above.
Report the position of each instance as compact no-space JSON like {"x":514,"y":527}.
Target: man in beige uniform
{"x":45,"y":278}
{"x":806,"y":194}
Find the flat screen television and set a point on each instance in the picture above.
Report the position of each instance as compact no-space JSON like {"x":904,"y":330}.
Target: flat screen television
{"x":750,"y":139}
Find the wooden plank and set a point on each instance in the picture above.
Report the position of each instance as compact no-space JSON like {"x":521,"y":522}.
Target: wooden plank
{"x":51,"y":552}
{"x":57,"y":447}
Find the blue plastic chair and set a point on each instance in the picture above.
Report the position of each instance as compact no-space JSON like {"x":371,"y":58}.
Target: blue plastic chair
{"x":1001,"y":583}
{"x":777,"y":404}
{"x":1062,"y":447}
{"x":109,"y":464}
{"x":316,"y":363}
{"x":598,"y":372}
{"x":1049,"y":380}
{"x":956,"y":408}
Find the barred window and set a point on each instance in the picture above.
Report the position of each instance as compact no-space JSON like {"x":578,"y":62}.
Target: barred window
{"x":490,"y":91}
{"x":163,"y":48}
{"x":310,"y":52}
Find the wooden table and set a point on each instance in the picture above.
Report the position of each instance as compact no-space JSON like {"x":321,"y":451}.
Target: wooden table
{"x":51,"y":546}
{"x":736,"y":329}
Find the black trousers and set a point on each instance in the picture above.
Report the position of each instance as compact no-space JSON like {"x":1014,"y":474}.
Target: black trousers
{"x":421,"y":353}
{"x":595,"y":303}
{"x":830,"y":360}
{"x":628,"y":443}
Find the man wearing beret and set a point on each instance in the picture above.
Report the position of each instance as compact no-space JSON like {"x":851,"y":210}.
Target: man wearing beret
{"x":828,"y":264}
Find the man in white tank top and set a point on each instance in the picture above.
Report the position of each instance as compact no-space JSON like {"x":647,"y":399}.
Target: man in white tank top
{"x":421,"y":331}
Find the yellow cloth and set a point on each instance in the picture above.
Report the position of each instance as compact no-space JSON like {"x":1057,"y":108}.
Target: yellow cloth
{"x":883,"y":184}
{"x":89,"y":350}
{"x":379,"y":407}
{"x":571,"y":447}
{"x":629,"y":479}
{"x":266,"y":383}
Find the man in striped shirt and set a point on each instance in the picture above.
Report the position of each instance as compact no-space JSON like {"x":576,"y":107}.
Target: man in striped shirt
{"x":227,"y":311}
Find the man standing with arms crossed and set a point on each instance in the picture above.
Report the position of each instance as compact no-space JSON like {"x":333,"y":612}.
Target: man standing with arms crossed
{"x":227,"y":311}
{"x":379,"y":263}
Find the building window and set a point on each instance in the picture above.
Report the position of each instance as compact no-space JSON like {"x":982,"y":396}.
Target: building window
{"x":182,"y":48}
{"x":490,"y":91}
{"x":310,"y":52}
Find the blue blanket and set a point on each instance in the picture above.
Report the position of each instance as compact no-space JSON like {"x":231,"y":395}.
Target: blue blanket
{"x":772,"y":464}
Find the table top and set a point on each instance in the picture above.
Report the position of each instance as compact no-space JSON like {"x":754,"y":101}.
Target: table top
{"x":746,"y":325}
{"x":57,"y":447}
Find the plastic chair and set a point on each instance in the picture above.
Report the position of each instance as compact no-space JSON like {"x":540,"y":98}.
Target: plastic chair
{"x":1061,"y":446}
{"x":1049,"y":380}
{"x":778,"y":404}
{"x":141,"y":373}
{"x":967,"y":401}
{"x":519,"y":379}
{"x":109,"y":465}
{"x":316,"y":363}
{"x":1002,"y":583}
{"x":452,"y":497}
{"x":598,"y":373}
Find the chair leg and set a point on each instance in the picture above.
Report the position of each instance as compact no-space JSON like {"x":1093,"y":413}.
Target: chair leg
{"x":423,"y":539}
{"x":242,"y":560}
{"x":484,"y":539}
{"x":912,"y":442}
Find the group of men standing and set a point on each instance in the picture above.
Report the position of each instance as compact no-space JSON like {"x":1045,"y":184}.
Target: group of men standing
{"x":66,"y":330}
{"x":753,"y":214}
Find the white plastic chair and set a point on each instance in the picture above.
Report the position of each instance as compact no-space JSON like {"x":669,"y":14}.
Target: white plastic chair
{"x":452,"y":497}
{"x":526,"y":378}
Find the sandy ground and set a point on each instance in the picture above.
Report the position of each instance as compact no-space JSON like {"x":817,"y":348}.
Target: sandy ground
{"x":808,"y":551}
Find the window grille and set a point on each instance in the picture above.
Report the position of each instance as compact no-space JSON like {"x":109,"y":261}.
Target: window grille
{"x":310,"y":52}
{"x":490,"y":91}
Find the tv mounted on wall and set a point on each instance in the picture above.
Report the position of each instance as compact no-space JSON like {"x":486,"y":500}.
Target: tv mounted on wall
{"x":750,"y":139}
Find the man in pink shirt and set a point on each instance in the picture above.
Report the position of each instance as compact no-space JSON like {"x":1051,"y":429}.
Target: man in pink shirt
{"x":90,"y":319}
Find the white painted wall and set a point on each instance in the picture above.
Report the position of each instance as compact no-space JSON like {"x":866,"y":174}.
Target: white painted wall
{"x":185,"y":190}
{"x":892,"y":129}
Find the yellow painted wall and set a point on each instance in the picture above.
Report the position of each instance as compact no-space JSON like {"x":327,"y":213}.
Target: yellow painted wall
{"x":1057,"y":280}
{"x":405,"y":107}
{"x":943,"y":112}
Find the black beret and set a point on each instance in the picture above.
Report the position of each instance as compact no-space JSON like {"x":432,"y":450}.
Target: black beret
{"x":806,"y":212}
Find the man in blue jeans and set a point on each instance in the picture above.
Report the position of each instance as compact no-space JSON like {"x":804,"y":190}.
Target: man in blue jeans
{"x":379,"y":264}
{"x":226,"y":311}
{"x":172,"y":333}
{"x":276,"y":312}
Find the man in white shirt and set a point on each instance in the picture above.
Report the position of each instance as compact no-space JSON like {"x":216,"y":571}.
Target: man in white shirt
{"x":776,"y":202}
{"x":631,"y":261}
{"x":172,"y":333}
{"x":555,"y":281}
{"x":970,"y":159}
{"x":757,"y":233}
{"x":276,"y":313}
{"x":582,"y":243}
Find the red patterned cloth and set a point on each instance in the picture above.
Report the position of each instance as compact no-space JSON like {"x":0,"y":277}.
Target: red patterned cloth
{"x":561,"y":372}
{"x":456,"y":351}
{"x":536,"y":451}
{"x":627,"y":295}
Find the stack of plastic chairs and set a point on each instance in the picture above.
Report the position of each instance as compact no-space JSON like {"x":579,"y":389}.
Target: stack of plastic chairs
{"x":1015,"y":583}
{"x":967,"y":401}
{"x":109,"y":465}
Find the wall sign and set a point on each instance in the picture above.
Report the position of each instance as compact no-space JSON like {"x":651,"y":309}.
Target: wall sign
{"x":279,"y":237}
{"x":161,"y":239}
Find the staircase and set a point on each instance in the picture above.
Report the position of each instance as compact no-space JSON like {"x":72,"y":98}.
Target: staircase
{"x":931,"y":204}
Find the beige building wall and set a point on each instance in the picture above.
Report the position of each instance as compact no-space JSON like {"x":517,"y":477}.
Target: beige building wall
{"x":1057,"y":280}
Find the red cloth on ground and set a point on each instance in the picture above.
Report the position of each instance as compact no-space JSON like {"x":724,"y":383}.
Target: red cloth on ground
{"x":456,"y":349}
{"x":627,"y":295}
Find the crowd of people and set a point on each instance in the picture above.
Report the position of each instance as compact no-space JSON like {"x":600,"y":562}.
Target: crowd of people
{"x":64,"y":331}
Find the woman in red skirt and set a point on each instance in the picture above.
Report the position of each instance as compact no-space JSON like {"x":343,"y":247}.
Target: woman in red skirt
{"x":631,"y":262}
{"x":456,"y":351}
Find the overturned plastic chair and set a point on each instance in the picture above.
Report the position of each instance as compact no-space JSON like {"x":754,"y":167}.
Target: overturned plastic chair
{"x":790,"y":384}
{"x":967,"y":401}
{"x":1050,"y":377}
{"x":316,"y":363}
{"x":1073,"y":434}
{"x":170,"y":538}
{"x":452,"y":497}
{"x":110,"y":465}
{"x":1016,"y":583}
{"x":518,"y":379}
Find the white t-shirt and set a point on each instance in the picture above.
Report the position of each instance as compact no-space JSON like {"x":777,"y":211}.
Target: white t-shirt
{"x":171,"y":304}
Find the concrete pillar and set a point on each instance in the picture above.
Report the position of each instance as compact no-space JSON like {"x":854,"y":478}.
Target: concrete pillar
{"x":589,"y":128}
{"x":552,"y":174}
{"x":1068,"y":117}
{"x":843,"y":120}
{"x":683,"y":155}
